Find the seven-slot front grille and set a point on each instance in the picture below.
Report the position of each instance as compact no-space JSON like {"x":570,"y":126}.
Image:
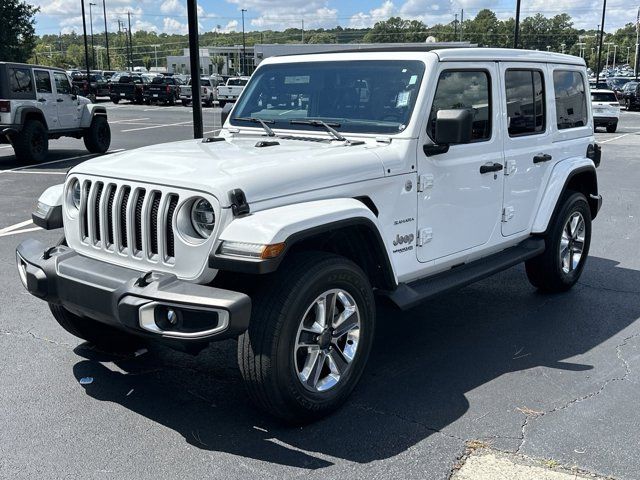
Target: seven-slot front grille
{"x":129,"y":220}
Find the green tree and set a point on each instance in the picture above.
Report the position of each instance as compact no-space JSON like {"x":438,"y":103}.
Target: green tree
{"x":218,"y":62}
{"x":17,"y":35}
{"x":322,"y":37}
{"x":397,"y":30}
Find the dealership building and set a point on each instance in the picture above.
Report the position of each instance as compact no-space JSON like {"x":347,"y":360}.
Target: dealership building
{"x":228,"y":60}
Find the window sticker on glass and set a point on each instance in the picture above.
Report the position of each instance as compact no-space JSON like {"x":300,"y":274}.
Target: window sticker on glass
{"x":298,"y":79}
{"x":403,"y":99}
{"x":413,"y":79}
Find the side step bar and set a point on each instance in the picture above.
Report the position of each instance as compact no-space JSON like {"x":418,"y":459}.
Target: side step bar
{"x":409,"y":295}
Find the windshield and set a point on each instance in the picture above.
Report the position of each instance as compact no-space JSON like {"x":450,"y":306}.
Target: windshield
{"x":365,"y":96}
{"x":603,"y":97}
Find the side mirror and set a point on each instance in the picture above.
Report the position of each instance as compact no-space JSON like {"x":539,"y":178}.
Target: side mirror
{"x":451,"y":127}
{"x":226,"y":110}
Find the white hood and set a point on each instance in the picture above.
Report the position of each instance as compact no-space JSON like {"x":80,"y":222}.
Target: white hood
{"x":262,"y":173}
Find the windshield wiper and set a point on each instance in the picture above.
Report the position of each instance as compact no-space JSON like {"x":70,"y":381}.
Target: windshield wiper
{"x":320,"y":123}
{"x":266,"y":127}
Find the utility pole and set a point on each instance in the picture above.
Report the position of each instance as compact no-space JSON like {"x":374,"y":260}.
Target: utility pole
{"x":93,"y":48}
{"x":86,"y":46}
{"x":516,"y":31}
{"x":461,"y":22}
{"x":131,"y":45}
{"x":303,"y":30}
{"x":615,"y":49}
{"x":635,"y":61}
{"x":604,"y":10}
{"x":244,"y":45}
{"x":455,"y":27}
{"x":106,"y":34}
{"x":155,"y":52}
{"x":194,"y":57}
{"x":628,"y":50}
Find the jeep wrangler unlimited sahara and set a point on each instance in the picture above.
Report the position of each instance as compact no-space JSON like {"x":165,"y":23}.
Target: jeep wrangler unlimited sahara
{"x":405,"y":173}
{"x":38,"y":104}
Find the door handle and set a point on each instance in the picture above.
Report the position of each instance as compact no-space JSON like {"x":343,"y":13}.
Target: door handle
{"x":42,"y":100}
{"x":60,"y":100}
{"x":491,"y":167}
{"x":542,"y":157}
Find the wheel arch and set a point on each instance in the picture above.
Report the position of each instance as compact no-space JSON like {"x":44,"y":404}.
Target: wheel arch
{"x":575,"y":174}
{"x":28,"y":113}
{"x":89,"y":111}
{"x":346,"y":227}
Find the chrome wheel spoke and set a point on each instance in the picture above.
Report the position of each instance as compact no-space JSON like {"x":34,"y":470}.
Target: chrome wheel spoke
{"x":348,"y":324}
{"x":572,"y":243}
{"x":310,"y":375}
{"x":337,"y":361}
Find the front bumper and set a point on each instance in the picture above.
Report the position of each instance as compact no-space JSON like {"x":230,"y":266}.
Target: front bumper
{"x":130,"y":300}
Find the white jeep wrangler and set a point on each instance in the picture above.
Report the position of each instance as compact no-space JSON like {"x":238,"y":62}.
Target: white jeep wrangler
{"x":403,"y":173}
{"x":38,"y":104}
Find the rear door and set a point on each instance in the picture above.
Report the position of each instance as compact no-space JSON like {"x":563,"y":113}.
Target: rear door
{"x":68,"y":114}
{"x":528,"y":146}
{"x":45,"y":98}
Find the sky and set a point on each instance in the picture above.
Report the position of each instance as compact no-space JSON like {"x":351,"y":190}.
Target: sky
{"x":170,"y":16}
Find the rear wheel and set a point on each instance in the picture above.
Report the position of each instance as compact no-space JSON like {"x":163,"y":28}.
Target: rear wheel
{"x":209,"y":101}
{"x":612,"y":128}
{"x":99,"y":334}
{"x":567,"y":247}
{"x":186,"y":103}
{"x":221,"y":103}
{"x":31,"y":144}
{"x":307,"y":344}
{"x":97,"y":138}
{"x":115,"y":100}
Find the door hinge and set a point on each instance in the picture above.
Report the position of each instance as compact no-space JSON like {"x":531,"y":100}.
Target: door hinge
{"x":425,"y":236}
{"x":508,"y":213}
{"x":424,"y":182}
{"x":511,"y":167}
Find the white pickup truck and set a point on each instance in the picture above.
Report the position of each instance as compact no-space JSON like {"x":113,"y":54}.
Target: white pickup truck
{"x":208,"y":92}
{"x":232,"y":90}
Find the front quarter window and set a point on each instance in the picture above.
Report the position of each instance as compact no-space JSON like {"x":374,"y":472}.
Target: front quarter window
{"x":365,"y":96}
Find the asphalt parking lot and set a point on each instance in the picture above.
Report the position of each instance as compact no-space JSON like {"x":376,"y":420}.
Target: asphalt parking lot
{"x":494,"y":366}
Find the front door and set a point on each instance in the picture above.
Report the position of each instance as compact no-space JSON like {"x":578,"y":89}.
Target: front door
{"x":68,"y":111}
{"x":528,"y":147}
{"x":459,"y":207}
{"x":45,"y":98}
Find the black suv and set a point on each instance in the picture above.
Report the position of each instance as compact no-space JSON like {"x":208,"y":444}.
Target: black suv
{"x":630,"y":96}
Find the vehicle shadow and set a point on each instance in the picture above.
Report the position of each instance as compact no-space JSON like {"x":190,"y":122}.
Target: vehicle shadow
{"x":63,"y":158}
{"x":423,"y":365}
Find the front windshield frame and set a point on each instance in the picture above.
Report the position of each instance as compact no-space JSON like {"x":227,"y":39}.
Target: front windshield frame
{"x":318,"y":75}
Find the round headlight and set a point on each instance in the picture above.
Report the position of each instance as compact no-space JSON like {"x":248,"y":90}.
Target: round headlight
{"x":203,"y":217}
{"x":75,"y":194}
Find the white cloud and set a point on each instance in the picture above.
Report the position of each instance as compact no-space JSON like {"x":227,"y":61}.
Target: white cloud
{"x":231,"y":26}
{"x":171,"y":25}
{"x":365,"y":20}
{"x":269,"y":14}
{"x":172,"y":6}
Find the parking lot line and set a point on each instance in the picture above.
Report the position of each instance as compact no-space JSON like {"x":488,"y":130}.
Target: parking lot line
{"x":614,"y":138}
{"x":15,"y":226}
{"x":128,"y":120}
{"x":60,"y":160}
{"x":16,"y":232}
{"x":157,"y":126}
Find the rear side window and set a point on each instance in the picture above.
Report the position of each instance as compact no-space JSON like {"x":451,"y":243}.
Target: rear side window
{"x":464,"y":89}
{"x":43,"y":81}
{"x":525,"y":102}
{"x":571,"y":101}
{"x":20,"y":83}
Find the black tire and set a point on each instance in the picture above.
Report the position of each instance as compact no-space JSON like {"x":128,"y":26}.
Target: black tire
{"x":31,"y":145}
{"x":103,"y":336}
{"x":266,"y":350}
{"x":612,"y":128}
{"x":626,"y":105}
{"x":147,"y":101}
{"x":209,"y":102}
{"x":97,"y":138}
{"x":115,"y":100}
{"x":186,"y":103}
{"x":221,"y":103}
{"x":546,"y":272}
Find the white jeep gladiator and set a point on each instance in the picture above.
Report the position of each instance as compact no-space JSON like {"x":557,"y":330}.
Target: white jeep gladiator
{"x":38,"y":104}
{"x":337,"y":177}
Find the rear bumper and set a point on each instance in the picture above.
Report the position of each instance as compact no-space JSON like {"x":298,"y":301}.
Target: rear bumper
{"x":129,"y":300}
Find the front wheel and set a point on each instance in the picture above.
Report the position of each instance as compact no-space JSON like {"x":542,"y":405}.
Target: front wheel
{"x":97,"y":138}
{"x":115,"y":100}
{"x":309,"y":338}
{"x":567,"y":247}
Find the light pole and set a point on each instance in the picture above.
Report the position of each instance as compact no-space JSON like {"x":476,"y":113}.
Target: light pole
{"x":548,"y":47}
{"x":516,"y":30}
{"x":93,"y":50}
{"x":615,"y":49}
{"x":562,"y":45}
{"x":628,"y":50}
{"x":106,"y":34}
{"x":604,"y":10}
{"x":244,"y":45}
{"x":606,"y":63}
{"x":84,"y":34}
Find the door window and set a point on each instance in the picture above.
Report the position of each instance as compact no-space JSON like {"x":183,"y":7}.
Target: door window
{"x":43,"y":81}
{"x":464,"y":89}
{"x":62,"y":83}
{"x":525,"y":102}
{"x":571,"y":100}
